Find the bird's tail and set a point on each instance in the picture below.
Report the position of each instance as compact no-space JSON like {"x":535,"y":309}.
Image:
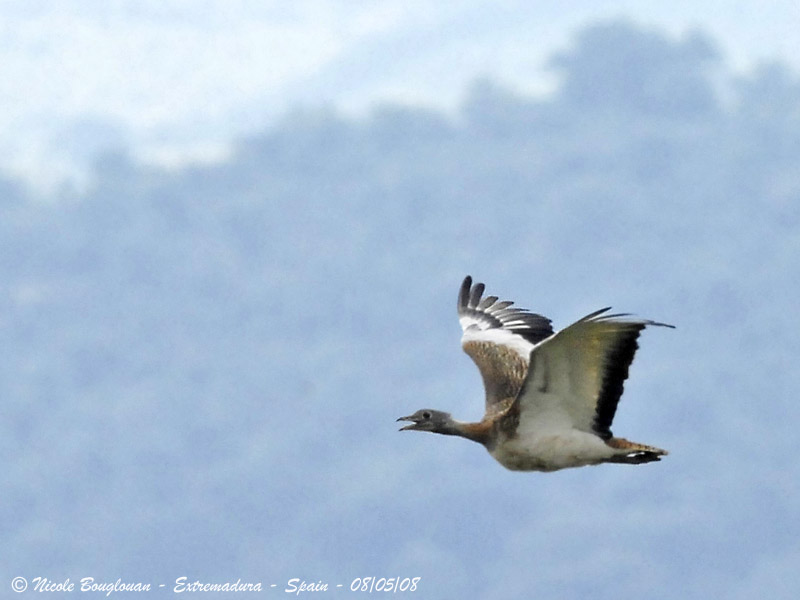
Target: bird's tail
{"x":632,"y":453}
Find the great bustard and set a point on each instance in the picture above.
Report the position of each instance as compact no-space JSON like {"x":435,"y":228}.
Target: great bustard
{"x":550,"y":397}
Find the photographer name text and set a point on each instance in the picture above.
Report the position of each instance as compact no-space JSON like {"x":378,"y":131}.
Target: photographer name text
{"x":294,"y":586}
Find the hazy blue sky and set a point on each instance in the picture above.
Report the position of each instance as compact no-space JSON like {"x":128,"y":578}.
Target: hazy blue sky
{"x":203,"y":366}
{"x":177,"y":79}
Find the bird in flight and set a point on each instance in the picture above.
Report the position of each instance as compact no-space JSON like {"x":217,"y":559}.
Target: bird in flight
{"x":550,"y":397}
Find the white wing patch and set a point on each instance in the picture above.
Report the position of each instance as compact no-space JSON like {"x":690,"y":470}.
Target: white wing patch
{"x":501,"y":337}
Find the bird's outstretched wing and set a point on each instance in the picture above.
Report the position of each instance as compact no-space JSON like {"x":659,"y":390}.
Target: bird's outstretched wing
{"x":575,"y":378}
{"x":499,"y":338}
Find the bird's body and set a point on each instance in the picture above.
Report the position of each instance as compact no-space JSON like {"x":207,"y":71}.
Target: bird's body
{"x":550,"y":397}
{"x":530,"y":450}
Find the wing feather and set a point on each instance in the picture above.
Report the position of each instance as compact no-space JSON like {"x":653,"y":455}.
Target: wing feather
{"x":576,"y":377}
{"x":499,"y":339}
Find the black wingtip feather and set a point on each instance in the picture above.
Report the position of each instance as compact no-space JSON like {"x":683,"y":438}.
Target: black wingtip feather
{"x":475,"y":295}
{"x":463,"y":294}
{"x":531,"y":326}
{"x":618,"y":361}
{"x":487,"y":302}
{"x":596,"y":313}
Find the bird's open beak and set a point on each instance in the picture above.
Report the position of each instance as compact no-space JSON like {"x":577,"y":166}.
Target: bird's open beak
{"x":413,"y":425}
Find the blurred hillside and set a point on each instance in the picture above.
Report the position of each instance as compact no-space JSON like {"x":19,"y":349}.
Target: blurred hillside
{"x":203,"y":366}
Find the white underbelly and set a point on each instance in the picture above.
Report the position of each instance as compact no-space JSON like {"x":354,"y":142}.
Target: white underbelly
{"x":570,"y":448}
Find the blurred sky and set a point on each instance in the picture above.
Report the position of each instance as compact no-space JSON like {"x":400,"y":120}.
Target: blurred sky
{"x":170,"y":302}
{"x":176,"y":80}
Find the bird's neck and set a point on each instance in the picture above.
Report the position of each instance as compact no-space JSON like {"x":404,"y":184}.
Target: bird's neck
{"x":477,"y":432}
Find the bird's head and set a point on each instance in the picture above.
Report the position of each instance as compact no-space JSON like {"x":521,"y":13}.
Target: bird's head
{"x":427,"y":419}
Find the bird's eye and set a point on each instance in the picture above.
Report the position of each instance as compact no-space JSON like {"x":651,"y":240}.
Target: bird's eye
{"x":426,"y":415}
